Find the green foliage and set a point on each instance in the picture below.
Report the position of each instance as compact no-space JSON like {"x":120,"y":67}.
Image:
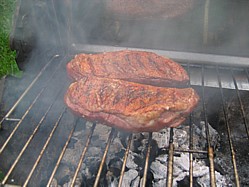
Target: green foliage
{"x":8,"y":64}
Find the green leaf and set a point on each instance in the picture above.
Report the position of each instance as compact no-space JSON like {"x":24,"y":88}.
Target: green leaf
{"x":8,"y":65}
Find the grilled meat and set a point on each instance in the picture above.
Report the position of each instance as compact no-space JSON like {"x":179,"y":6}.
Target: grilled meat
{"x":130,"y":106}
{"x":134,"y":66}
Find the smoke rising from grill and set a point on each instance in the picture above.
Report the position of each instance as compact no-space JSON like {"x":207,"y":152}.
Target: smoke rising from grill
{"x":63,"y":23}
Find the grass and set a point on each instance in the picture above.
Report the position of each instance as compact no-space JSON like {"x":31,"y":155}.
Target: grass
{"x":8,"y":65}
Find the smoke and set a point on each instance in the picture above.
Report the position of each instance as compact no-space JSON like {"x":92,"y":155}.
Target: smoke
{"x":62,"y":23}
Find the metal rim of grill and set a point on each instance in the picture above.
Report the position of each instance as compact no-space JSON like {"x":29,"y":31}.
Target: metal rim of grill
{"x":209,"y":152}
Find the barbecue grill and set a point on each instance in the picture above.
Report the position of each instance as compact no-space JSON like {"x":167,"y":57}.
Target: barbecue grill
{"x":43,"y":144}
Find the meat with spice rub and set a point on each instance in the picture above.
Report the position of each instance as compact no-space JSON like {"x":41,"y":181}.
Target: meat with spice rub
{"x":130,"y":106}
{"x":133,"y":66}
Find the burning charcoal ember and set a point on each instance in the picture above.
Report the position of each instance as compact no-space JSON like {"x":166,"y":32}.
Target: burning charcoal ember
{"x":199,"y":138}
{"x":221,"y":181}
{"x":214,"y":136}
{"x":162,"y":138}
{"x":138,"y":140}
{"x":131,"y":178}
{"x":162,"y":158}
{"x":115,"y":166}
{"x":181,"y":168}
{"x":78,"y":182}
{"x":181,"y":161}
{"x":160,"y":183}
{"x":112,"y":181}
{"x":200,"y":169}
{"x":131,"y":161}
{"x":54,"y":183}
{"x":181,"y":138}
{"x":100,"y":135}
{"x":134,"y":170}
{"x":76,"y":146}
{"x":117,"y":146}
{"x":90,"y":171}
{"x":63,"y":176}
{"x":159,"y":170}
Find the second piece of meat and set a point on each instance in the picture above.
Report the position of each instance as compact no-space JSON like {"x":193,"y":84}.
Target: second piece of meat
{"x":130,"y":106}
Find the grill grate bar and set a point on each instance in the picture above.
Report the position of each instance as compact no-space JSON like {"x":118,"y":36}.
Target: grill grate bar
{"x":26,"y":91}
{"x":11,"y":119}
{"x":241,"y":104}
{"x":191,"y":140}
{"x":210,"y":149}
{"x":176,"y":150}
{"x":19,"y":123}
{"x":61,"y":155}
{"x":204,"y":106}
{"x":146,"y":166}
{"x":211,"y":166}
{"x":83,"y":154}
{"x":228,"y":130}
{"x":44,"y":148}
{"x":125,"y":160}
{"x":26,"y":145}
{"x":190,"y":153}
{"x":169,"y":181}
{"x":104,"y":157}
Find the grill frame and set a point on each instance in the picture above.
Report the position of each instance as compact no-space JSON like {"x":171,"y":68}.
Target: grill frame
{"x":209,"y":152}
{"x":189,"y":60}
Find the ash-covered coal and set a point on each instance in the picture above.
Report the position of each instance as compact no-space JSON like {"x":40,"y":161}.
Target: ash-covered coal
{"x":134,"y":170}
{"x":158,"y":166}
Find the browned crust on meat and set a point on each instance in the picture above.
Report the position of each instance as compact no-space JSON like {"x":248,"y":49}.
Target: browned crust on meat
{"x":130,"y":106}
{"x":134,"y":66}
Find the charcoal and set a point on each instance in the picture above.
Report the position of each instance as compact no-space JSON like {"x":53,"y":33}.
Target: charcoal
{"x":131,"y":161}
{"x":157,"y":168}
{"x":115,"y":166}
{"x":186,"y":182}
{"x":130,"y":178}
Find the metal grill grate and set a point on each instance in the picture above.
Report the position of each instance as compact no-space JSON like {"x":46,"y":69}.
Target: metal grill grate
{"x":38,"y":129}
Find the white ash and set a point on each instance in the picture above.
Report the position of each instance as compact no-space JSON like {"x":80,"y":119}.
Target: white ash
{"x":130,"y":178}
{"x":137,"y":154}
{"x":221,"y":181}
{"x":181,"y":162}
{"x":159,"y":170}
{"x":130,"y":161}
{"x":181,"y":137}
{"x":159,"y":183}
{"x":181,"y":170}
